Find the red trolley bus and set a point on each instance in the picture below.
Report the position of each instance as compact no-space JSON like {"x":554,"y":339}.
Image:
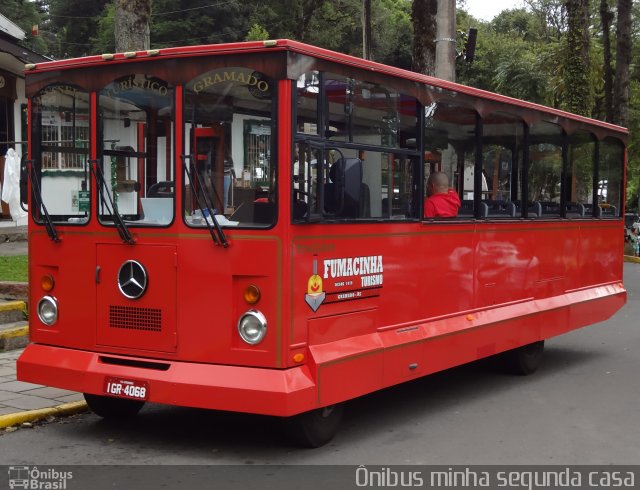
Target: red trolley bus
{"x":241,"y":227}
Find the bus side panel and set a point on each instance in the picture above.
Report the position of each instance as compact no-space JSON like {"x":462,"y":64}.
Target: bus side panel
{"x":506,"y":265}
{"x":599,"y":253}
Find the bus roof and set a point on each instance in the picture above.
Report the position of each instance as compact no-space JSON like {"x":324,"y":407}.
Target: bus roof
{"x":314,"y":51}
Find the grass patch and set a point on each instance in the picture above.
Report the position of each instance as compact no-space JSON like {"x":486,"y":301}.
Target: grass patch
{"x":13,"y":268}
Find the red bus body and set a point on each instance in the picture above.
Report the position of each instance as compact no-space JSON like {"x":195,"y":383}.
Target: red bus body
{"x":398,"y":300}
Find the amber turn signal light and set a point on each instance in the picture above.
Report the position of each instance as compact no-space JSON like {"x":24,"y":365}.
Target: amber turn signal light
{"x":47,"y":282}
{"x":298,"y":357}
{"x":252,"y":294}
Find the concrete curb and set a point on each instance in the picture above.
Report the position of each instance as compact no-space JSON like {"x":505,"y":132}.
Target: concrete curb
{"x":32,"y":415}
{"x":630,"y":258}
{"x":14,"y":338}
{"x":13,"y":305}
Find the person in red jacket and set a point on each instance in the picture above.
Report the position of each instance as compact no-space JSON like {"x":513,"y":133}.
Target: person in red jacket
{"x":441,"y":201}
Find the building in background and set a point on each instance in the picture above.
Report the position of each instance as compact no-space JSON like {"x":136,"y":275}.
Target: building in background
{"x":13,"y":104}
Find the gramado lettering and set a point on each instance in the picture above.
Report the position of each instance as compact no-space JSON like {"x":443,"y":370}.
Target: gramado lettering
{"x":230,"y":76}
{"x":369,"y":268}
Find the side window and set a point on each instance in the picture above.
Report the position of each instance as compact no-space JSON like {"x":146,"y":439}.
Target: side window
{"x":308,"y":91}
{"x":579,"y":182}
{"x":610,"y":171}
{"x":347,"y":184}
{"x":60,"y":150}
{"x":450,"y":139}
{"x":545,"y":170}
{"x":337,"y":91}
{"x":363,"y":165}
{"x":502,"y":140}
{"x":365,"y":113}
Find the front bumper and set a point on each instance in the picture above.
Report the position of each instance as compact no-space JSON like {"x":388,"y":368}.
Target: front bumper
{"x":281,"y":392}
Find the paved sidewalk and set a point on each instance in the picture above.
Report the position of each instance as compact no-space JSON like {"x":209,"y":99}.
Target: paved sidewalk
{"x":13,"y":239}
{"x":23,"y":402}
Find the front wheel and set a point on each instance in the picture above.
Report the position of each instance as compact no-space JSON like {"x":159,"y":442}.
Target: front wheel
{"x":526,"y":359}
{"x":112,"y":408}
{"x":316,"y":427}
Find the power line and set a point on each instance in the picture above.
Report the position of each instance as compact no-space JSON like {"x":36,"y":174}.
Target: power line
{"x":159,"y":14}
{"x":194,"y":8}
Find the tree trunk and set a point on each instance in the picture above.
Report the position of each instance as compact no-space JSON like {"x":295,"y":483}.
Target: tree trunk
{"x":446,"y":40}
{"x":366,"y":29}
{"x":423,"y":16}
{"x":578,"y":64}
{"x":623,"y":61}
{"x":305,"y":10}
{"x":606,"y":17}
{"x":132,"y":25}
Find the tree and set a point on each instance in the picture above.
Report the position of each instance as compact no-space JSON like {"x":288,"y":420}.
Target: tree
{"x":623,"y":62}
{"x":132,"y":24}
{"x":257,"y":33}
{"x":74,"y":23}
{"x":423,"y":16}
{"x":579,"y":93}
{"x":606,"y":17}
{"x":366,"y":29}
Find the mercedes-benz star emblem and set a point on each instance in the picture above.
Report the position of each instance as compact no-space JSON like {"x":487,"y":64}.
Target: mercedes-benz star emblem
{"x":132,"y":279}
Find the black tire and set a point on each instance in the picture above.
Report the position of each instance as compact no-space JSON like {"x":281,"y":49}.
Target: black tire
{"x":524,"y":360}
{"x":315,"y":428}
{"x":113,"y":408}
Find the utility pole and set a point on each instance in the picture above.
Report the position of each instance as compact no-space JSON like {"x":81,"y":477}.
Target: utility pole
{"x":366,"y":29}
{"x":446,"y":40}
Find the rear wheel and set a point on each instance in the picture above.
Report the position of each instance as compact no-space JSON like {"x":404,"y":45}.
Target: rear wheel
{"x":113,"y":408}
{"x":524,"y":360}
{"x":316,"y":427}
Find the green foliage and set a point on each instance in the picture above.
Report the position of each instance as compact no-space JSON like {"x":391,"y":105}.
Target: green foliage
{"x":25,"y":15}
{"x":104,"y":40}
{"x":520,"y":76}
{"x":14,"y":268}
{"x":633,"y":147}
{"x":75,"y":23}
{"x":257,"y":33}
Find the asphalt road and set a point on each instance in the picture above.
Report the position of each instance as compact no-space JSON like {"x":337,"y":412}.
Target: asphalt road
{"x":581,"y":407}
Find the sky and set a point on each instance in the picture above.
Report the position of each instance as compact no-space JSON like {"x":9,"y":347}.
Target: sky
{"x":488,"y":9}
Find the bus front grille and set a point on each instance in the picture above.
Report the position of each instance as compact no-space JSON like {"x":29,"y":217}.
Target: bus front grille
{"x":133,"y":318}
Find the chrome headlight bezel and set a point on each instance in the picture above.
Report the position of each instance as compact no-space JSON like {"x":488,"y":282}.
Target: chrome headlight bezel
{"x":49,"y":318}
{"x":252,"y":327}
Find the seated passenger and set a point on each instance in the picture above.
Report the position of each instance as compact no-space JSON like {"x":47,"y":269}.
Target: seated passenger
{"x":441,"y":201}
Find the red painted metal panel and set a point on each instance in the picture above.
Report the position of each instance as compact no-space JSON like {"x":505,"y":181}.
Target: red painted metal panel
{"x":147,"y":323}
{"x":254,"y":390}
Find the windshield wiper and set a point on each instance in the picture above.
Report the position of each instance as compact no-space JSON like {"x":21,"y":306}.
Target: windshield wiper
{"x":37,"y":194}
{"x":219,"y":236}
{"x":123,"y":231}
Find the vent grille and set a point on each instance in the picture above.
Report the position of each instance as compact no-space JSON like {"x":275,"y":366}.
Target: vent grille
{"x":133,"y":318}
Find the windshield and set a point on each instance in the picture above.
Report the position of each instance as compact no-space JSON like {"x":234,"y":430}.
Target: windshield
{"x":136,"y":156}
{"x":60,"y":152}
{"x":229,"y":145}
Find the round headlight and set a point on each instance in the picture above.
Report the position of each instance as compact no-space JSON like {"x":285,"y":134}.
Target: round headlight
{"x":48,"y":310}
{"x":252,"y":327}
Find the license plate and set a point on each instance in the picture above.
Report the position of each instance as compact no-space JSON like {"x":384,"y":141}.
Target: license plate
{"x":126,"y":388}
